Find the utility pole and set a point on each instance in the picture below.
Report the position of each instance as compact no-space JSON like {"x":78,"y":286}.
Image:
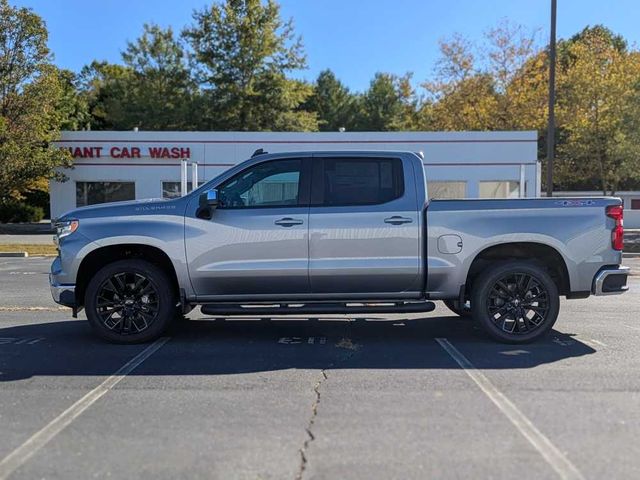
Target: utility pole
{"x":551,"y":125}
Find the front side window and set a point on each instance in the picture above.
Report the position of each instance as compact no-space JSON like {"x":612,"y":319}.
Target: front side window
{"x":268,"y":184}
{"x":90,"y":193}
{"x":366,"y":181}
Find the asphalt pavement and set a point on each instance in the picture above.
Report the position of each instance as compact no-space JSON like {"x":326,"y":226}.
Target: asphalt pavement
{"x":364,"y":397}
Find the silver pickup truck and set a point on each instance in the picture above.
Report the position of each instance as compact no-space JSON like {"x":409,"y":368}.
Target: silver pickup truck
{"x":334,"y":232}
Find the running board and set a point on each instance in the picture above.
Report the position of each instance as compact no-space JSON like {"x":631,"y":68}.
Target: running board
{"x":317,"y":308}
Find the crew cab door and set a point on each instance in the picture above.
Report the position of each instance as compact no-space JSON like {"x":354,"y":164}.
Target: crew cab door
{"x":364,"y":230}
{"x":256,"y":242}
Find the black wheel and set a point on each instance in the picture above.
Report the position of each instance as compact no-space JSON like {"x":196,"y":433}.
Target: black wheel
{"x":130,"y":301}
{"x":515,"y":302}
{"x":454,"y":306}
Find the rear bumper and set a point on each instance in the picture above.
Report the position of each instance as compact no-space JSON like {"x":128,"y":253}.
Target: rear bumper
{"x":610,"y":281}
{"x":62,"y":294}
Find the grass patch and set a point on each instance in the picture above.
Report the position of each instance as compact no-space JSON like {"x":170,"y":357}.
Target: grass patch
{"x":30,"y":249}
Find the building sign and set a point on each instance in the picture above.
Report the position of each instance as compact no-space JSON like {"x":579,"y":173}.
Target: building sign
{"x":130,"y":152}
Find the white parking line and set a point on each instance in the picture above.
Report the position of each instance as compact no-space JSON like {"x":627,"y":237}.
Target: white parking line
{"x":592,"y":341}
{"x":39,"y":439}
{"x":554,"y":457}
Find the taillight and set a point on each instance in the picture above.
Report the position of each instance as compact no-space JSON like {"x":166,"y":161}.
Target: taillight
{"x":617,"y":235}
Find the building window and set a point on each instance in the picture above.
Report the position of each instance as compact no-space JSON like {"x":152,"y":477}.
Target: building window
{"x":446,"y":189}
{"x":172,"y":189}
{"x":504,"y":189}
{"x":635,"y":204}
{"x":90,"y":193}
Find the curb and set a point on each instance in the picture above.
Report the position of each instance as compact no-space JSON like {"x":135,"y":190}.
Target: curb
{"x":14,"y":254}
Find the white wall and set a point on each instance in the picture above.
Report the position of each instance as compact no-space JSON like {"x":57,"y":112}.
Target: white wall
{"x":468,"y":156}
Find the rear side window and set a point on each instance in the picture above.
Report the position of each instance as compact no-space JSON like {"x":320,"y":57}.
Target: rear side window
{"x":361,"y":181}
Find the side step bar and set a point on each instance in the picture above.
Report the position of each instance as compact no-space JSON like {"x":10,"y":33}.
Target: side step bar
{"x":317,"y":308}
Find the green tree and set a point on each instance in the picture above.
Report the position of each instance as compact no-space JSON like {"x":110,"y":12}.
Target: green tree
{"x":243,"y":51}
{"x":335,"y":106}
{"x":389,"y":104}
{"x":104,"y":88}
{"x":153,"y":90}
{"x":30,"y":92}
{"x":72,"y":105}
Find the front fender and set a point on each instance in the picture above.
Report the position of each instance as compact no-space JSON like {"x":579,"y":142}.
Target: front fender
{"x":164,"y":232}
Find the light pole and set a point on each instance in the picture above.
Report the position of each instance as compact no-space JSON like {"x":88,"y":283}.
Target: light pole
{"x":551,"y":126}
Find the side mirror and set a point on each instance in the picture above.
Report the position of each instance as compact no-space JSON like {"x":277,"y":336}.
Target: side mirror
{"x":209,"y":199}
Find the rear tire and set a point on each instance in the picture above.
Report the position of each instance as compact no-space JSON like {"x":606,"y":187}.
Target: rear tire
{"x":130,"y":301}
{"x":515,"y":302}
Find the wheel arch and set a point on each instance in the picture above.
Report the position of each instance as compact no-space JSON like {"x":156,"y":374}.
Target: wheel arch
{"x":547,"y":256}
{"x":104,"y":255}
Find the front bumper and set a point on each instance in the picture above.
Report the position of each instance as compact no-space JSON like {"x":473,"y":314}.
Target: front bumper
{"x":62,"y":294}
{"x":610,"y":281}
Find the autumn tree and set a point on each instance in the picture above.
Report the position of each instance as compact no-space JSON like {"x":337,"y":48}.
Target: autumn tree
{"x":598,"y":110}
{"x":496,"y":85}
{"x":30,"y":92}
{"x":461,"y":96}
{"x":519,"y":72}
{"x":244,"y":53}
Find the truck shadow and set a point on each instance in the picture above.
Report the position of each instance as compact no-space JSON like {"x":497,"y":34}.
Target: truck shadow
{"x":238,"y":346}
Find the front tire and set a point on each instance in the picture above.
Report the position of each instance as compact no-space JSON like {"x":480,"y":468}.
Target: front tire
{"x":130,"y":301}
{"x":515,"y":302}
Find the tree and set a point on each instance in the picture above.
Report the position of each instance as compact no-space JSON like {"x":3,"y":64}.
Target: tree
{"x":335,"y":106}
{"x":389,"y":104}
{"x":519,"y":71}
{"x":104,"y":87}
{"x":461,"y":96}
{"x":598,"y":110}
{"x":30,"y":94}
{"x":500,"y":85}
{"x":244,"y":51}
{"x":153,"y":90}
{"x":72,"y":105}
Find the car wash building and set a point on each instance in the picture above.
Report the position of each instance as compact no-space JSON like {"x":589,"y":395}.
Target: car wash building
{"x":112,"y":166}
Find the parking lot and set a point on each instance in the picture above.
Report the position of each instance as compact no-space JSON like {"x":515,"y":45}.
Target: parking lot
{"x":337,"y":397}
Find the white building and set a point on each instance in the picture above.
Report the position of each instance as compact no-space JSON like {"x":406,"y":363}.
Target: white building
{"x":111,"y":166}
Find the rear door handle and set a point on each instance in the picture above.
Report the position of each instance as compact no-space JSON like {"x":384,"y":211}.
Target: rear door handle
{"x":397,"y":220}
{"x":288,"y":222}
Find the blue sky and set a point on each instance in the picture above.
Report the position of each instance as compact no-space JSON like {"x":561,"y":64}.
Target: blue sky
{"x":355,"y":38}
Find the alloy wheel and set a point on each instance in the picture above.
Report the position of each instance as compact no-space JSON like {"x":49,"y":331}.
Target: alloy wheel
{"x":518,"y":303}
{"x":127,"y":303}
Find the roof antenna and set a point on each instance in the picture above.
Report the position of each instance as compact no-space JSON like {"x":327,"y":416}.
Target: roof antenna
{"x":259,"y":151}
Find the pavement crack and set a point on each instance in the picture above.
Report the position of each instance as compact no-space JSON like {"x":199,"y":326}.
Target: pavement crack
{"x":309,"y":428}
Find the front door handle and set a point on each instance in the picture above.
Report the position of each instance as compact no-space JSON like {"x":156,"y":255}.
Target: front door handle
{"x":397,"y":220}
{"x":288,"y":222}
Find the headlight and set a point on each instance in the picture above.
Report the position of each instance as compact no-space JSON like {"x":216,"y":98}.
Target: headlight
{"x":66,"y":228}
